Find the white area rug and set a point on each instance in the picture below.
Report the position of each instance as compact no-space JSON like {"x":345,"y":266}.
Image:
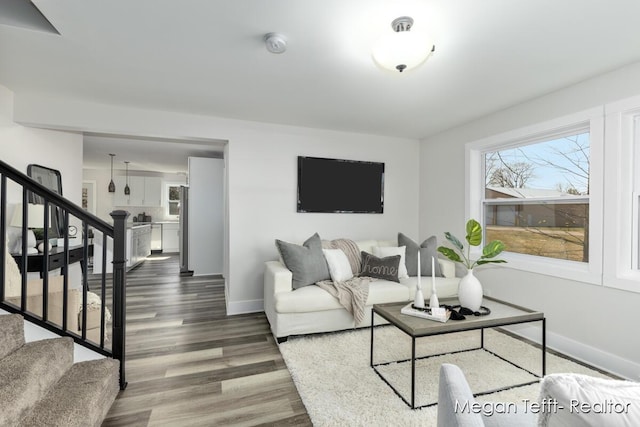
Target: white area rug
{"x":339,"y":388}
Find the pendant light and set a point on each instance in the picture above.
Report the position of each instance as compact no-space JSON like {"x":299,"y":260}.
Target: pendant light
{"x":112,"y":186}
{"x":127,"y":191}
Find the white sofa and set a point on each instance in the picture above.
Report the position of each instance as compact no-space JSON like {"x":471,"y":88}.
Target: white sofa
{"x":310,"y":309}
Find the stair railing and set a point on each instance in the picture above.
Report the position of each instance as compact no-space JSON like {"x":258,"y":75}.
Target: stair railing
{"x":116,"y":283}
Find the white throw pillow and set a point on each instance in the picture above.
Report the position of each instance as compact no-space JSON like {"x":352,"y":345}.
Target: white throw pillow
{"x":385,"y":251}
{"x":588,"y":401}
{"x":339,"y":267}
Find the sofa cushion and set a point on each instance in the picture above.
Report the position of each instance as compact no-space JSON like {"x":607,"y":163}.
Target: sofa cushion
{"x":428,"y":249}
{"x":383,"y":291}
{"x":385,"y":251}
{"x":313,"y":298}
{"x":306,"y":262}
{"x":339,"y":267}
{"x":589,"y":401}
{"x":381,"y":268}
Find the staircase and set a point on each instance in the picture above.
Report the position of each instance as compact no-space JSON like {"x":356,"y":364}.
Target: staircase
{"x":39,"y":383}
{"x":41,"y":386}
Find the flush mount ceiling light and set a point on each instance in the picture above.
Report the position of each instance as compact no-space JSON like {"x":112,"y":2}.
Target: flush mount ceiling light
{"x":403,"y":48}
{"x":275,"y":43}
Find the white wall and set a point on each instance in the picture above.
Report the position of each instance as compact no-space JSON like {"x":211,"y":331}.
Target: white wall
{"x":206,"y":215}
{"x":21,"y":146}
{"x":261,"y":178}
{"x":592,"y":322}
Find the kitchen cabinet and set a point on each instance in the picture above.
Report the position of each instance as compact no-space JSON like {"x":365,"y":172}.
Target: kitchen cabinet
{"x":156,"y":237}
{"x":170,"y":239}
{"x":139,"y":244}
{"x":136,"y":187}
{"x":138,"y":248}
{"x":152,"y":191}
{"x":144,"y":191}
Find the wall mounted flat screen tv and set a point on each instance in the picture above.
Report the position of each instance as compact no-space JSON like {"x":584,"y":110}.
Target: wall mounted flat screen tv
{"x":335,"y":186}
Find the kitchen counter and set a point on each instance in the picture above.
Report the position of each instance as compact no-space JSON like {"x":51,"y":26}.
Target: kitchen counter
{"x":135,"y":226}
{"x":138,"y":247}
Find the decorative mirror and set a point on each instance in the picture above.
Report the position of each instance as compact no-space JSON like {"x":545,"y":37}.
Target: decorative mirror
{"x":52,"y":179}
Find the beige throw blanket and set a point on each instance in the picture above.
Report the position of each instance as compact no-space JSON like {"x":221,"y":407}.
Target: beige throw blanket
{"x":350,"y":248}
{"x":352,"y":294}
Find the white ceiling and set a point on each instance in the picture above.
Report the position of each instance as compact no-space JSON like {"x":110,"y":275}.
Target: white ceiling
{"x":145,"y":154}
{"x":207,"y":57}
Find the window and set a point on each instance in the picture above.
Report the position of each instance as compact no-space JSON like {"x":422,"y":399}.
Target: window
{"x":622,"y":213}
{"x":536,"y":197}
{"x":539,"y":189}
{"x":172,"y":197}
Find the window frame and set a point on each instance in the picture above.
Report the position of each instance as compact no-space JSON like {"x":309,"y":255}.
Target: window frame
{"x":165,"y":199}
{"x":622,"y":240}
{"x":591,"y":120}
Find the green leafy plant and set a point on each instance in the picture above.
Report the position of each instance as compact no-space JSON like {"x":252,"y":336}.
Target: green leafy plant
{"x":474,"y":238}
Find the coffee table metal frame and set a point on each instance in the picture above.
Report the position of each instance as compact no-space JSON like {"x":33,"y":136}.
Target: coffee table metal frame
{"x":417,"y":327}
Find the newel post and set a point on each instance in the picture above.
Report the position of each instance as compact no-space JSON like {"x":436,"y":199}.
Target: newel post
{"x":119,"y":289}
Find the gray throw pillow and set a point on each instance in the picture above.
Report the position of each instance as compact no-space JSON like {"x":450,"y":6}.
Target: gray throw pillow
{"x":380,"y":268}
{"x":428,"y":249}
{"x":306,"y":262}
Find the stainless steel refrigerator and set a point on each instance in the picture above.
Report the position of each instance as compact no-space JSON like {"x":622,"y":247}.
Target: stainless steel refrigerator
{"x":183,"y":233}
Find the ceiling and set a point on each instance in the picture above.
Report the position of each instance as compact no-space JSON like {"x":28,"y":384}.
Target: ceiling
{"x":145,"y":154}
{"x":208,"y":57}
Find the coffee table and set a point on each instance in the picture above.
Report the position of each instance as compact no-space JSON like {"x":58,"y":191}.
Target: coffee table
{"x":502,"y":314}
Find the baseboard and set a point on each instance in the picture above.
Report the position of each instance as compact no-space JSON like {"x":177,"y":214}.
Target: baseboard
{"x":242,"y":307}
{"x":593,"y":356}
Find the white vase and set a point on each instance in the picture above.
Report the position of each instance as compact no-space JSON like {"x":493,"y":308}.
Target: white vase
{"x":470,"y":292}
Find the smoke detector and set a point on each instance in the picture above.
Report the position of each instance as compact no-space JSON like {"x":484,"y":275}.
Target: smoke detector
{"x":275,"y":43}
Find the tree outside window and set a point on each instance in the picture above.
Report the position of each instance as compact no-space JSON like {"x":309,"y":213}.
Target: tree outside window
{"x":537,"y":197}
{"x":173,"y":199}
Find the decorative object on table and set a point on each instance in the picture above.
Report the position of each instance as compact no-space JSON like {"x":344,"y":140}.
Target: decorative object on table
{"x":35,"y":221}
{"x":457,"y":312}
{"x":433,"y":300}
{"x":127,"y":190}
{"x":439,"y":314}
{"x":470,"y":289}
{"x":418,"y":300}
{"x":112,"y":185}
{"x":41,"y":247}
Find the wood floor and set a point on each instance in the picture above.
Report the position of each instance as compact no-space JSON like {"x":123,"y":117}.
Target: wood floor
{"x":189,"y":364}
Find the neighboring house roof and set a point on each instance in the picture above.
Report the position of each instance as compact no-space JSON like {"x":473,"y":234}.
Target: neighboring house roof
{"x":527,"y":193}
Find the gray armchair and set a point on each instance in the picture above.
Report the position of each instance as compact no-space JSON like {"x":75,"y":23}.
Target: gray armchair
{"x":455,"y":401}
